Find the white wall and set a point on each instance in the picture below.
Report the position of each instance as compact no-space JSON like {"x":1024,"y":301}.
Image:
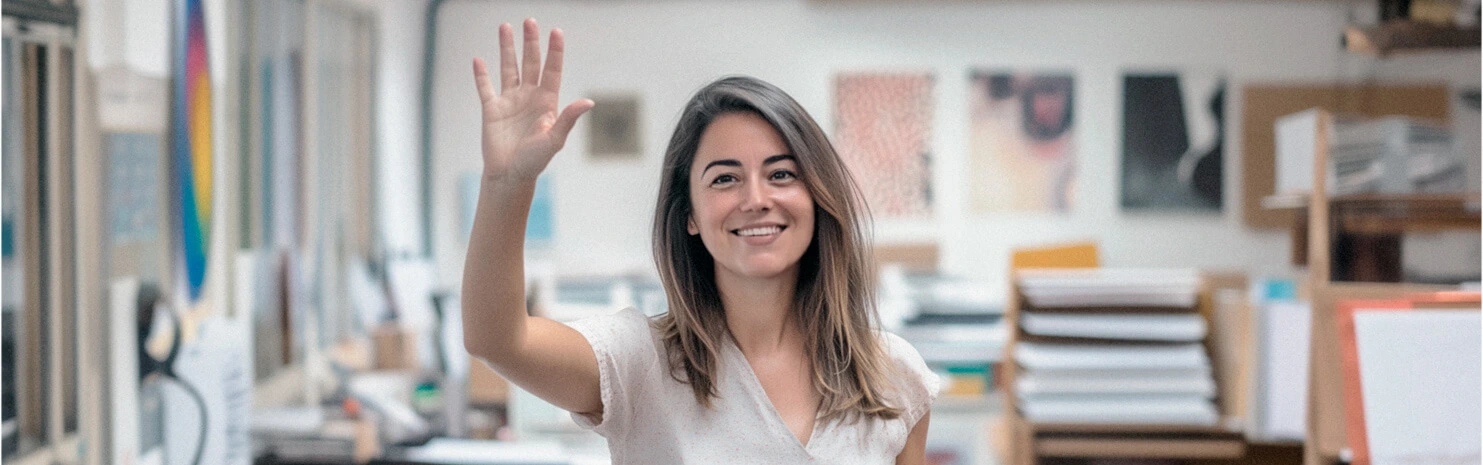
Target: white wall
{"x":399,"y":37}
{"x":665,"y":50}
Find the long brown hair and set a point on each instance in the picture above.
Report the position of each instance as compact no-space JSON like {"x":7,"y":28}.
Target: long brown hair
{"x":835,"y":301}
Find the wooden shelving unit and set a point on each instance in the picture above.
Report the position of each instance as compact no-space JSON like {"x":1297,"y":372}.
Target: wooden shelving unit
{"x":1396,"y":36}
{"x":1031,"y":441}
{"x":1326,"y":220}
{"x":1378,"y":221}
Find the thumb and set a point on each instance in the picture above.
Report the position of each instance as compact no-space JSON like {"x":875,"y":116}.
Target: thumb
{"x":568,"y":118}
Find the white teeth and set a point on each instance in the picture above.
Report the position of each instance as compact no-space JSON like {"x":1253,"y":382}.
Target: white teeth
{"x":760,"y":231}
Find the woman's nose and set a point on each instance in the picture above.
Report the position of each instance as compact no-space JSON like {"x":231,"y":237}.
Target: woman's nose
{"x":758,"y":197}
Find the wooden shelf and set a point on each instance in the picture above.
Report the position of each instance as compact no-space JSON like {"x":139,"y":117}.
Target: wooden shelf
{"x":1383,"y":217}
{"x":1031,"y":441}
{"x":1119,"y":429}
{"x":1400,"y":36}
{"x":1459,"y":203}
{"x":1138,"y":448}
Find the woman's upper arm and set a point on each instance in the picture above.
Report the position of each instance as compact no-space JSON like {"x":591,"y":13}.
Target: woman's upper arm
{"x":557,"y":364}
{"x":915,"y":451}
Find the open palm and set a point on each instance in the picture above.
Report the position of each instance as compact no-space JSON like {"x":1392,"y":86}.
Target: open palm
{"x":521,"y":129}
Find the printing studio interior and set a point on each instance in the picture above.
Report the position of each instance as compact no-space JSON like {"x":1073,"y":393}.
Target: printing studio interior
{"x":949,"y":232}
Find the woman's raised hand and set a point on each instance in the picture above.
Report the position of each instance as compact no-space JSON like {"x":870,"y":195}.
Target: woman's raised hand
{"x":521,"y":129}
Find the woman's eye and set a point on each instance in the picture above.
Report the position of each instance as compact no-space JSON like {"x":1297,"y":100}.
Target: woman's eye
{"x":723,"y":179}
{"x":781,"y":175}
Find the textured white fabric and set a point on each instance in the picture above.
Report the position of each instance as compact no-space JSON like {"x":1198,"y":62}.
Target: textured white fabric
{"x":649,"y":418}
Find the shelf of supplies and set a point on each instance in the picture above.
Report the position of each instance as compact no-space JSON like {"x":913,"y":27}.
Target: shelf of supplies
{"x":1030,"y":441}
{"x":1399,"y":36}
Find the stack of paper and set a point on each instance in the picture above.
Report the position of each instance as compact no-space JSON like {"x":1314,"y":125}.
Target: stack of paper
{"x":1113,"y":346}
{"x":953,"y":321}
{"x":1173,"y":327}
{"x":978,"y":340}
{"x":956,"y":324}
{"x":1281,"y":337}
{"x":1110,"y":287}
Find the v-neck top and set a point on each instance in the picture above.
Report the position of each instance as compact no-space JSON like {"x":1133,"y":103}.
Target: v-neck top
{"x":649,"y":417}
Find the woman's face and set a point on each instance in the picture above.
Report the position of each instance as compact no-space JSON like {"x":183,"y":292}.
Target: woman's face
{"x":749,"y":206}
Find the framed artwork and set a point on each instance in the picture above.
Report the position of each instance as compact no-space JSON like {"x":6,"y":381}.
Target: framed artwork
{"x":1022,"y":142}
{"x":614,"y":127}
{"x":883,"y":131}
{"x":1173,"y":141}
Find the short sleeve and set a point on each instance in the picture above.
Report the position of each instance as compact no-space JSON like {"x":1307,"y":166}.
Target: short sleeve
{"x":626,"y":358}
{"x":918,"y":385}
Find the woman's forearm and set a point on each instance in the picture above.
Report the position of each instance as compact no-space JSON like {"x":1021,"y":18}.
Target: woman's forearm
{"x":494,"y":313}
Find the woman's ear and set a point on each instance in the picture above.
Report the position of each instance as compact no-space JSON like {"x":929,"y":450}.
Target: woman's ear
{"x":690,"y":225}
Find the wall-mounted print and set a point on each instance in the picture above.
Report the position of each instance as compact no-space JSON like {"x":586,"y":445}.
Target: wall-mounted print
{"x":190,"y":132}
{"x":1173,"y":141}
{"x":614,"y":127}
{"x":1022,"y":142}
{"x":883,"y":130}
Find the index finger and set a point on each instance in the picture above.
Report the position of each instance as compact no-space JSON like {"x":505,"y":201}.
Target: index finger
{"x":551,"y":76}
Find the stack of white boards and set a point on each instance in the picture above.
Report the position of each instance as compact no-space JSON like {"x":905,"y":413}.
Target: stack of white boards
{"x":1113,"y":346}
{"x":954,"y":322}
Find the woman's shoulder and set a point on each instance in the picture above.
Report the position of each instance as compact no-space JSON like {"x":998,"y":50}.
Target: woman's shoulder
{"x":626,"y":318}
{"x":917,"y":382}
{"x":899,"y":350}
{"x":628,"y":332}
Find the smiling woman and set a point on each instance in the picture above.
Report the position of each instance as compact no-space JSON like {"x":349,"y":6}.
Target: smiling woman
{"x":770,"y":352}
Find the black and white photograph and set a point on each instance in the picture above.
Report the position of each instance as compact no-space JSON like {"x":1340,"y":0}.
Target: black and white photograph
{"x":1173,"y":141}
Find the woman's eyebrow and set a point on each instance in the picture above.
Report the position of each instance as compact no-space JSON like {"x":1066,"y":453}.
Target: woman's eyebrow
{"x":733,"y":162}
{"x":726,"y":162}
{"x":777,"y":158}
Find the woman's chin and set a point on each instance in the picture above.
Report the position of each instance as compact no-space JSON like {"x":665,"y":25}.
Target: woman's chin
{"x":764,"y":269}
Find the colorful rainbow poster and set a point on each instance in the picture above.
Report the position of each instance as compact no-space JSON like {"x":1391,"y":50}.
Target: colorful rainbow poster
{"x":190,"y":116}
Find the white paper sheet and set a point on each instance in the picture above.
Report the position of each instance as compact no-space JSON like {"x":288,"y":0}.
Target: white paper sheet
{"x":1286,"y":328}
{"x":1110,"y":287}
{"x":1185,"y":382}
{"x":1174,"y":410}
{"x":478,"y":452}
{"x":1176,"y":327}
{"x":1419,"y":373}
{"x":1034,"y":355}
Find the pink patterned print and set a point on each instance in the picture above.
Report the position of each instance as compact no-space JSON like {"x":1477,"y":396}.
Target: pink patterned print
{"x":883,"y":131}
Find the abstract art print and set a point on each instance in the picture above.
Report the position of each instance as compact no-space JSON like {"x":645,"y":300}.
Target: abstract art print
{"x":883,"y":131}
{"x":1022,"y":142}
{"x":190,"y":116}
{"x":1173,"y":141}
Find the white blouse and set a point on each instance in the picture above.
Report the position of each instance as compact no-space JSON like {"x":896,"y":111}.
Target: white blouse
{"x":650,"y":418}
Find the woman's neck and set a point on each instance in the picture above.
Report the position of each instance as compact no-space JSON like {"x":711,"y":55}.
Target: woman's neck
{"x":759,"y":312}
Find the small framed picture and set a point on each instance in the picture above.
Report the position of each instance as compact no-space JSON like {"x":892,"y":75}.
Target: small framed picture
{"x":615,"y":127}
